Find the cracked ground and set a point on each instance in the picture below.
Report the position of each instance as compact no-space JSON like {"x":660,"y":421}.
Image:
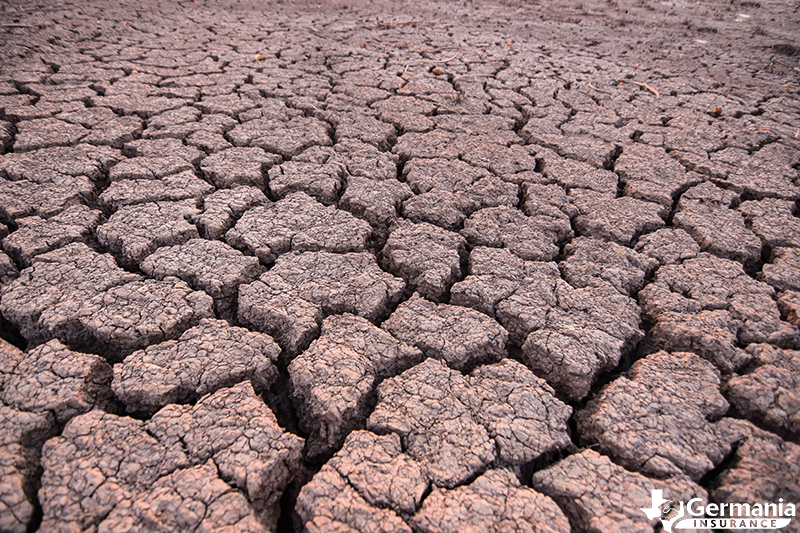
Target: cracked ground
{"x":396,"y":267}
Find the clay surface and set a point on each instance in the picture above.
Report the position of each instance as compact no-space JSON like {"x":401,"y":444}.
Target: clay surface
{"x":389,"y":266}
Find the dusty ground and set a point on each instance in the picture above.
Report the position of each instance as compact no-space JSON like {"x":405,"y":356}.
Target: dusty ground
{"x":417,"y":266}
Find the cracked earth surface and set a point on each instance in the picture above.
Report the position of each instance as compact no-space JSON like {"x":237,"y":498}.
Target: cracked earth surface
{"x":415,"y":267}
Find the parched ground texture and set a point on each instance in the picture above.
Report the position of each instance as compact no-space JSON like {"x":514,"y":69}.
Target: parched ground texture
{"x":480,"y":266}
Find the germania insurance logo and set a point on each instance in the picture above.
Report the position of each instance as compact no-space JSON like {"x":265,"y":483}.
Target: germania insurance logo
{"x":694,"y":515}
